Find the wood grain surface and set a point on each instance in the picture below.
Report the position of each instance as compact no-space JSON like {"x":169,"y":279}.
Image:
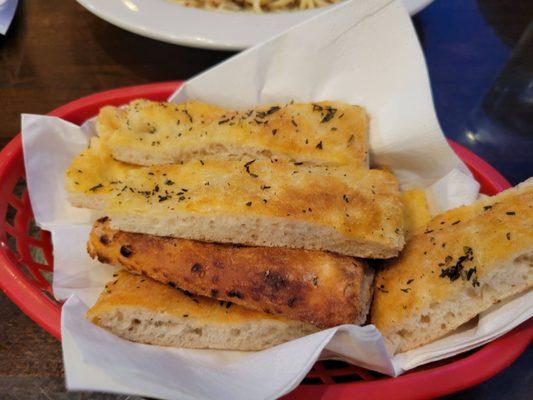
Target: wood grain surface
{"x":56,"y":51}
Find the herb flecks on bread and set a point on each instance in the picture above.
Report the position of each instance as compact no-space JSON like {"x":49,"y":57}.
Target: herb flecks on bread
{"x":460,"y":264}
{"x":351,"y":211}
{"x":149,"y":133}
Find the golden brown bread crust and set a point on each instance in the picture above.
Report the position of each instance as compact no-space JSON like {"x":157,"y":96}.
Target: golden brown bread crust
{"x":458,"y":253}
{"x":354,"y":212}
{"x":342,"y":208}
{"x":149,"y":133}
{"x":142,"y":310}
{"x":133,"y":291}
{"x":320,"y":288}
{"x":95,"y":171}
{"x":416,"y":212}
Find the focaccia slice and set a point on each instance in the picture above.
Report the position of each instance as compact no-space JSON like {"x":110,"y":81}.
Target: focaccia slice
{"x":92,"y":176}
{"x":142,"y":310}
{"x":353,"y":212}
{"x":320,"y":288}
{"x":148,"y":133}
{"x":464,"y":261}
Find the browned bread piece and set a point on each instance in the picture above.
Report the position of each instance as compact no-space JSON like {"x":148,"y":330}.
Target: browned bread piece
{"x":460,"y":264}
{"x":320,"y":288}
{"x":142,"y":310}
{"x":149,"y":133}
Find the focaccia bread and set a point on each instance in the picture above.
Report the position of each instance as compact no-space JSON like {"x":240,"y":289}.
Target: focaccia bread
{"x":460,"y":264}
{"x":142,"y":310}
{"x":350,"y":211}
{"x":416,"y":210}
{"x":320,"y":288}
{"x":92,"y":175}
{"x":149,"y":133}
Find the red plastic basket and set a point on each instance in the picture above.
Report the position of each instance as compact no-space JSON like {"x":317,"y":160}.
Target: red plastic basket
{"x":26,"y":265}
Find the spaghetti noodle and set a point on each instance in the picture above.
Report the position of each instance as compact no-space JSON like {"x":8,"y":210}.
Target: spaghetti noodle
{"x":258,"y":6}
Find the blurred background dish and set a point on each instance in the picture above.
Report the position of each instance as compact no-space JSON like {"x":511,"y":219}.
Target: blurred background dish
{"x":170,"y":21}
{"x":258,"y":6}
{"x":7,"y":11}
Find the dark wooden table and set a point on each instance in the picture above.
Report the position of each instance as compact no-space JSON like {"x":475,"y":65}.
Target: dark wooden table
{"x":55,"y":52}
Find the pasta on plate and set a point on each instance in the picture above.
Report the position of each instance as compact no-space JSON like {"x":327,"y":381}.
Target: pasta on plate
{"x":256,"y":5}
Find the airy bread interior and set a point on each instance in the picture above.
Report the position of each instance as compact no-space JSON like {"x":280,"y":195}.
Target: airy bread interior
{"x":146,"y":326}
{"x":455,"y":267}
{"x":258,"y":231}
{"x":442,"y":317}
{"x":142,"y":310}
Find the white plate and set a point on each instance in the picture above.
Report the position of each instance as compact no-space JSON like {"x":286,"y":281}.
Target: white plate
{"x":173,"y":23}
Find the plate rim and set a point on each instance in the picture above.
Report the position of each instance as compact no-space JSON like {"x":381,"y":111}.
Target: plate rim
{"x":190,"y":40}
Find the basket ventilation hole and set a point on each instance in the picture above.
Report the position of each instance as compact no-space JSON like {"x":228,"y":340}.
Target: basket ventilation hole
{"x":312,"y":381}
{"x":333,"y":364}
{"x":33,"y":230}
{"x":11,"y":212}
{"x":346,"y":378}
{"x":18,"y":189}
{"x":26,"y":270}
{"x":47,"y":275}
{"x":37,"y":255}
{"x":50,"y":296}
{"x":12,"y":244}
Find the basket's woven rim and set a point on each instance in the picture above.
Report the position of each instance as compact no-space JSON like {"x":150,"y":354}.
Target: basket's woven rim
{"x":29,"y":286}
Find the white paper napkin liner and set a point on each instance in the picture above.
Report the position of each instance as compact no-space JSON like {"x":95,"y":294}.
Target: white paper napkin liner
{"x":49,"y":145}
{"x":75,"y":272}
{"x":362,"y":52}
{"x":453,"y":190}
{"x":86,"y":377}
{"x":169,"y":370}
